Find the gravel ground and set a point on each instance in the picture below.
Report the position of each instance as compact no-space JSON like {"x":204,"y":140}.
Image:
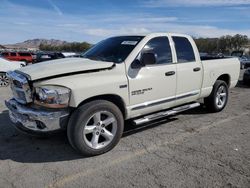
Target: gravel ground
{"x":193,"y":149}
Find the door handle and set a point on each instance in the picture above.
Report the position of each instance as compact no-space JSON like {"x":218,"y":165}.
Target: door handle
{"x":196,"y":69}
{"x":170,"y":73}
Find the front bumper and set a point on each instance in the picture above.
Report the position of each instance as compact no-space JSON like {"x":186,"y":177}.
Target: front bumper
{"x":33,"y":120}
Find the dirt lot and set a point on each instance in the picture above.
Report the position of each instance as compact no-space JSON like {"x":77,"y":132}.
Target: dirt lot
{"x":194,"y":149}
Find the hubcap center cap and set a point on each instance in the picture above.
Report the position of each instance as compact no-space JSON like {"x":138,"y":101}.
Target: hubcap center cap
{"x":99,"y":126}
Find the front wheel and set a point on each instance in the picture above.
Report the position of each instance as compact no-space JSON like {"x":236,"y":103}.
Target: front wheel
{"x":95,"y":128}
{"x":217,"y":100}
{"x":4,"y":80}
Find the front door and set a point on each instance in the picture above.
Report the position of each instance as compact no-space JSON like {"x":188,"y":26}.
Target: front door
{"x":153,"y":87}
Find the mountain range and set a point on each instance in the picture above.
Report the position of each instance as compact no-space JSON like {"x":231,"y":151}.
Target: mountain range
{"x":35,"y":43}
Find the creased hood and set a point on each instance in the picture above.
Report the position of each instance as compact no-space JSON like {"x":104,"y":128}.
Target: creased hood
{"x":64,"y":67}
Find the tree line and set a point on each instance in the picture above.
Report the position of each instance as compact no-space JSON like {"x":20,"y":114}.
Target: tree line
{"x":225,"y":44}
{"x":68,"y":47}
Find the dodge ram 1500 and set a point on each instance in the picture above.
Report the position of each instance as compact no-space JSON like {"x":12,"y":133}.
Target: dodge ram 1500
{"x":138,"y":78}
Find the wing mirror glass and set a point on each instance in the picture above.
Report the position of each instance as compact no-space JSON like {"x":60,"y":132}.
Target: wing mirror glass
{"x":146,"y":59}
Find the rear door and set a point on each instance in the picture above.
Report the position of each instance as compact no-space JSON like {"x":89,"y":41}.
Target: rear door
{"x":24,"y":56}
{"x":13,"y":56}
{"x":189,"y":70}
{"x":153,"y":87}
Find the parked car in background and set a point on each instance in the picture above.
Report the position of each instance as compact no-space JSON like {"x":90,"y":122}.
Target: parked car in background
{"x":34,"y":56}
{"x":246,"y":77}
{"x":244,"y":60}
{"x":45,"y":56}
{"x":237,"y":53}
{"x":69,"y":54}
{"x":76,"y":55}
{"x":18,"y":56}
{"x":6,"y":66}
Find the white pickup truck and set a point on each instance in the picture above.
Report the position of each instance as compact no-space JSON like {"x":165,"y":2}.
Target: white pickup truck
{"x":138,"y":78}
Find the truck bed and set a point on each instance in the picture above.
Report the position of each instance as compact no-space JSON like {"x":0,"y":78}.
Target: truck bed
{"x":213,"y":68}
{"x":204,"y":58}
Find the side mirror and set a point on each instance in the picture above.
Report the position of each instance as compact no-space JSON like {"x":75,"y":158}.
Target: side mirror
{"x":137,"y":64}
{"x":148,"y":59}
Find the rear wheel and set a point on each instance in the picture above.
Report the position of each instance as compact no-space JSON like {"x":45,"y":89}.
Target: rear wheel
{"x":4,"y":80}
{"x":217,"y":100}
{"x":95,"y":127}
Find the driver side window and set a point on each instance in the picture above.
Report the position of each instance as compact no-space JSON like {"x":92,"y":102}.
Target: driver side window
{"x":161,"y":48}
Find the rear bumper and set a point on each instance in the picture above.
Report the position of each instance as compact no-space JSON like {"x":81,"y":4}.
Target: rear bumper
{"x":35,"y":121}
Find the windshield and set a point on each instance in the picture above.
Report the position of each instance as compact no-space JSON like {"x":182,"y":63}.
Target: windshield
{"x":115,"y":49}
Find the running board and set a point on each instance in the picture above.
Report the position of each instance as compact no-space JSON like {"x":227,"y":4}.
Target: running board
{"x":171,"y":112}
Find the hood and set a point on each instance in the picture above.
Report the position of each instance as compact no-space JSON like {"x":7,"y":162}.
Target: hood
{"x":64,"y":67}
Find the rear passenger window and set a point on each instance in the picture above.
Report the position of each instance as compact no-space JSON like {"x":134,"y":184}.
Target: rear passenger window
{"x":12,"y":54}
{"x":184,"y":50}
{"x":161,"y":48}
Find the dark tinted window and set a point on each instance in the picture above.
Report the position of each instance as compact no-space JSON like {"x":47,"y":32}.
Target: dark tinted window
{"x":12,"y":54}
{"x":5,"y":54}
{"x":60,"y":55}
{"x":161,"y":48}
{"x":24,"y":54}
{"x":115,"y":49}
{"x":184,"y":50}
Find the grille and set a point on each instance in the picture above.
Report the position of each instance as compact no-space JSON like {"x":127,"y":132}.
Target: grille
{"x":20,"y":87}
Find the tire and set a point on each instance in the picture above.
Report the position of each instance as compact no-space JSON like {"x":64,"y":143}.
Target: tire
{"x":4,"y":80}
{"x":92,"y":122}
{"x":217,"y":100}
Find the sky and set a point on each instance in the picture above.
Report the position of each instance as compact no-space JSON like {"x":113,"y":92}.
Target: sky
{"x":92,"y":21}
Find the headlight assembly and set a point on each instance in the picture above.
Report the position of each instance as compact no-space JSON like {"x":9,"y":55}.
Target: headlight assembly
{"x":52,"y":96}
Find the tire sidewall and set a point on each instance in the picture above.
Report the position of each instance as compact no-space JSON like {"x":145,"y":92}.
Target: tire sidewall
{"x":82,"y":116}
{"x":217,"y":85}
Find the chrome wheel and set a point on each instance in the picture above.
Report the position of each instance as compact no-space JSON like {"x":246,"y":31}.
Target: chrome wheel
{"x":100,"y":130}
{"x":221,"y":96}
{"x":4,"y":80}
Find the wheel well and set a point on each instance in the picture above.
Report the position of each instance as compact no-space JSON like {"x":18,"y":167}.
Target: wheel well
{"x":225,"y":78}
{"x":117,"y":100}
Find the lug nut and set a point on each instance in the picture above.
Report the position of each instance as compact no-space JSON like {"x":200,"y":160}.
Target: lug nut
{"x":97,"y":133}
{"x":102,"y":131}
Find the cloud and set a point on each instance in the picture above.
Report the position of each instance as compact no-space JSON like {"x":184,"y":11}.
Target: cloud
{"x":194,"y":3}
{"x":20,"y":22}
{"x":56,"y":8}
{"x":101,"y":32}
{"x":194,"y":30}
